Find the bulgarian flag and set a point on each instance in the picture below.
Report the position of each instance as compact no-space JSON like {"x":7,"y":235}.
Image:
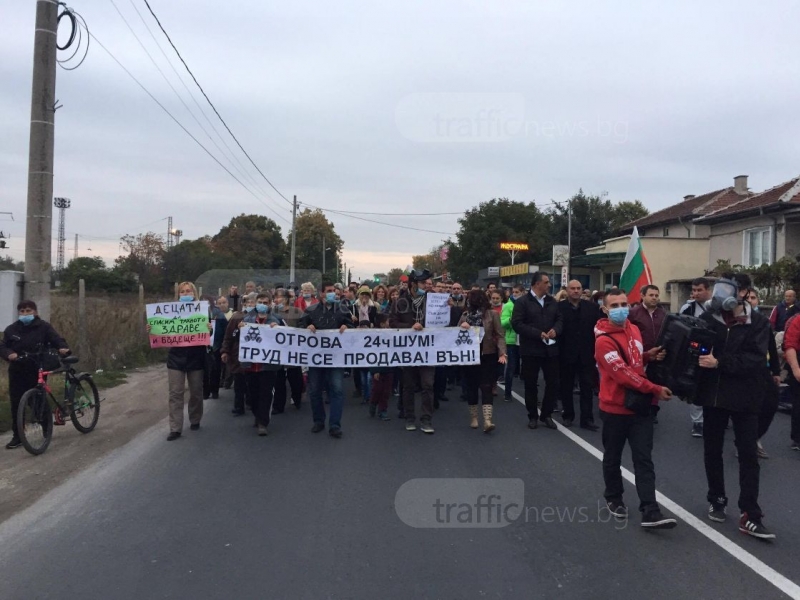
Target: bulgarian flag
{"x":635,"y":269}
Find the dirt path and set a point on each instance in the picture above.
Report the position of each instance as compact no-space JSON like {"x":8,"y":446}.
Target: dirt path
{"x":127,"y":410}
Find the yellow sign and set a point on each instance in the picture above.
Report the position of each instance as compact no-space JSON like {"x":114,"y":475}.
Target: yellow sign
{"x":517,"y":246}
{"x":520,"y":269}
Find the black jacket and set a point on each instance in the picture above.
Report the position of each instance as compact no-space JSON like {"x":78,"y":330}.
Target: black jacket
{"x":322,"y":317}
{"x":403,"y":314}
{"x":737,"y":384}
{"x":190,"y":358}
{"x":529,"y":319}
{"x":577,"y":338}
{"x":19,"y":338}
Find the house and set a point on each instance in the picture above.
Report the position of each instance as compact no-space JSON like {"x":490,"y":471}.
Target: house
{"x":685,"y":240}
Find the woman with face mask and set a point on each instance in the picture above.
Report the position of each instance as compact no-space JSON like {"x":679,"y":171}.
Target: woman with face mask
{"x":28,"y":333}
{"x":230,"y":354}
{"x":185,"y":366}
{"x":308,"y":296}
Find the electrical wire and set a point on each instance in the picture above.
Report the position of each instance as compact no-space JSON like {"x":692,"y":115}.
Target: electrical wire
{"x":336,"y":212}
{"x":212,"y":104}
{"x":77,"y":22}
{"x":177,"y":122}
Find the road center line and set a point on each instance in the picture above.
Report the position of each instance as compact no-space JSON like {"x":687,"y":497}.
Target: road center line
{"x":786,"y":585}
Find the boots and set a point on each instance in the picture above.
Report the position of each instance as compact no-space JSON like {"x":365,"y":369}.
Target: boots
{"x":473,"y":416}
{"x":487,"y":418}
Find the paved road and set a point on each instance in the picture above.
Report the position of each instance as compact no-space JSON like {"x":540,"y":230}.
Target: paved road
{"x":222,"y":513}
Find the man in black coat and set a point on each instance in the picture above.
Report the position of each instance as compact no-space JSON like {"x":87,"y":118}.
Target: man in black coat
{"x":731,"y":387}
{"x":577,"y":354}
{"x":28,"y":334}
{"x":537,"y":320}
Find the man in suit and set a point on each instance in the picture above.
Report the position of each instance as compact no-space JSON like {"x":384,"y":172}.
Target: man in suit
{"x":577,"y":354}
{"x":538,"y":321}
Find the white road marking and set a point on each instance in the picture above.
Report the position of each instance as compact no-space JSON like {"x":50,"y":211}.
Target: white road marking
{"x":784,"y":584}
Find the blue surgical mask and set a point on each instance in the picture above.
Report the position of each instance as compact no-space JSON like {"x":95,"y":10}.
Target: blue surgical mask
{"x":618,"y":316}
{"x":307,"y":296}
{"x":26,"y":319}
{"x":330,"y":297}
{"x":513,"y":298}
{"x":755,"y":308}
{"x":279,"y":306}
{"x":248,"y":309}
{"x":186,"y":298}
{"x":457,"y":296}
{"x":600,"y":302}
{"x":262,"y":308}
{"x":420,"y":292}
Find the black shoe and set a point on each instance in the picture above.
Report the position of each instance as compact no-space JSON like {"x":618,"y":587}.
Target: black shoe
{"x":436,"y":404}
{"x":194,"y":426}
{"x":589,"y":426}
{"x":755,"y":528}
{"x":425,"y":426}
{"x":655,"y":420}
{"x":618,"y":509}
{"x":14,"y":443}
{"x":237,"y":412}
{"x":655,"y":520}
{"x":373,"y":409}
{"x":336,"y":432}
{"x":277,"y":412}
{"x":444,"y":399}
{"x":317,"y":427}
{"x":716,"y":511}
{"x":533,"y":424}
{"x":508,"y":398}
{"x":549,"y":423}
{"x":567,"y":422}
{"x":697,"y":430}
{"x":173,"y":435}
{"x":215,"y":396}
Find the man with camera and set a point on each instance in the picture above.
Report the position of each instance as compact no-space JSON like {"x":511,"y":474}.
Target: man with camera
{"x":731,"y":388}
{"x":409,"y":313}
{"x":626,"y":398}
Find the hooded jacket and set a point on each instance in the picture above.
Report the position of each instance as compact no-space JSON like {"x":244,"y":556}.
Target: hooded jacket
{"x":19,"y":338}
{"x":617,"y":373}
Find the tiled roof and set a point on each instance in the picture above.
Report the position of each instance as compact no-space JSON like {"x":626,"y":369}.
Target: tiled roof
{"x":784,"y":193}
{"x":691,"y":208}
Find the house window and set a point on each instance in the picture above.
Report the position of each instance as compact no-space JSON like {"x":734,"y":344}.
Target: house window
{"x":666,"y":232}
{"x":611,"y":280}
{"x":757,"y":246}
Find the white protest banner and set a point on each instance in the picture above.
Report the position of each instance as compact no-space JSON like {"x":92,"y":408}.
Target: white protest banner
{"x":359,"y":348}
{"x":437,"y":310}
{"x":178,"y":324}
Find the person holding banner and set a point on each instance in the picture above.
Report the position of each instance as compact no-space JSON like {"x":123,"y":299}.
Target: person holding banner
{"x":260,"y":377}
{"x":483,"y":376}
{"x":409,"y":313}
{"x":185,"y":364}
{"x":326,"y":314}
{"x":229,"y":353}
{"x":287,"y":315}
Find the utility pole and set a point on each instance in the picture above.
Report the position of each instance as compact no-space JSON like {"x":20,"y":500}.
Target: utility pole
{"x":62,"y":204}
{"x":169,"y":233}
{"x":323,"y":256}
{"x":75,"y":252}
{"x":569,"y":242}
{"x":39,"y":225}
{"x":294,"y":241}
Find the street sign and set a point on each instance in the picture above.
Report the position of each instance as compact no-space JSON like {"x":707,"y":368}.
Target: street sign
{"x":560,"y":256}
{"x":493,"y":271}
{"x":564,"y":275}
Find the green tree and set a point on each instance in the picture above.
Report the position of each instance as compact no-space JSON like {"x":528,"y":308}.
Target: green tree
{"x":625,"y":212}
{"x":250,"y":242}
{"x":477,"y":243}
{"x":431,"y":261}
{"x":191,"y":258}
{"x":394,"y":275}
{"x":316,"y":234}
{"x":96,"y":276}
{"x":144,"y":258}
{"x":9,"y":264}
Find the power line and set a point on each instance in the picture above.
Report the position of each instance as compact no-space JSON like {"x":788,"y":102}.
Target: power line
{"x":164,"y":31}
{"x":171,"y":116}
{"x":336,"y":212}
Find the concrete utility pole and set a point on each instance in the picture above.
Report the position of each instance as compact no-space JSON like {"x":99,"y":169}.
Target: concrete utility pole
{"x":62,"y":204}
{"x":294,"y":241}
{"x":75,"y":251}
{"x":39,"y":225}
{"x":569,"y":242}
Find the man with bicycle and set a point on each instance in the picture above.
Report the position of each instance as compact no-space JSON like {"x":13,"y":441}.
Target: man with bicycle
{"x":28,"y":334}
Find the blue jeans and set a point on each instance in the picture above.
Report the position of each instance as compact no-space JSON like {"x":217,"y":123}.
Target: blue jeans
{"x":366,"y":384}
{"x":512,"y":358}
{"x":320,"y":379}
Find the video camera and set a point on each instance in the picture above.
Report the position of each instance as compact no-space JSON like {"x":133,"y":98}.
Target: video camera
{"x":686,"y":339}
{"x":418,"y":275}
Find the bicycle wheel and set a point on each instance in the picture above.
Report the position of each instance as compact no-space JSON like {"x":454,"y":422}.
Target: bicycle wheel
{"x":85,"y":409}
{"x":35,"y":421}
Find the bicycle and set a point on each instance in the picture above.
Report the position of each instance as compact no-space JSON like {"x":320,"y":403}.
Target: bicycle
{"x":35,"y":416}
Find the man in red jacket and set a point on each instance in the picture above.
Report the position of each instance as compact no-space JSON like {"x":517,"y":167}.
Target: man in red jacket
{"x":620,"y":358}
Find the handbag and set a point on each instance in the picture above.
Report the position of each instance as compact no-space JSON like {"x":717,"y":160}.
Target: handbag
{"x":635,"y":401}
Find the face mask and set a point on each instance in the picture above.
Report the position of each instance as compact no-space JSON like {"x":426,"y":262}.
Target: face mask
{"x":279,"y":306}
{"x":262,"y":308}
{"x":618,"y":316}
{"x":496,"y":303}
{"x":248,"y":309}
{"x":307,"y":296}
{"x":755,"y":308}
{"x":600,"y":302}
{"x":26,"y":319}
{"x":420,"y":292}
{"x":186,"y":298}
{"x":330,"y":297}
{"x":457,"y":296}
{"x":725,"y":296}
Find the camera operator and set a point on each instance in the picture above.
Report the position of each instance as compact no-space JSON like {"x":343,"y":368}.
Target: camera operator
{"x":732,"y":387}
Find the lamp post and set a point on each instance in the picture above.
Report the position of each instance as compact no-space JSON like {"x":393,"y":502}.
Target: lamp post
{"x":324,"y":250}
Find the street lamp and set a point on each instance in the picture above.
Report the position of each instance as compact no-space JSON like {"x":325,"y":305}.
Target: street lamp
{"x":324,"y":250}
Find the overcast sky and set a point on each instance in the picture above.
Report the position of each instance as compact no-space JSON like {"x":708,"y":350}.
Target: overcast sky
{"x":406,"y":107}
